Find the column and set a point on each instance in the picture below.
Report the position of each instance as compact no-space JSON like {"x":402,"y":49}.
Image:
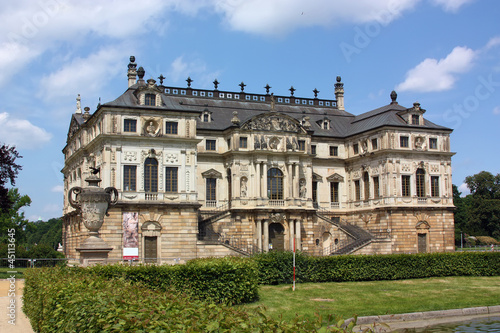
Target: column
{"x":286,"y":181}
{"x":290,"y":230}
{"x":259,"y":235}
{"x":257,"y":180}
{"x":266,"y":236}
{"x":296,"y":181}
{"x":309,"y":177}
{"x":297,"y":235}
{"x":264,"y":180}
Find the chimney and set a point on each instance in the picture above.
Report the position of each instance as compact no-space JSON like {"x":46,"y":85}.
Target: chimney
{"x":339,"y":94}
{"x":132,"y":72}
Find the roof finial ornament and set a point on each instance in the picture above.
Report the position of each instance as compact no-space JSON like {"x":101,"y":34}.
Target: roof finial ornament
{"x":132,"y":64}
{"x":216,"y":84}
{"x":141,"y":72}
{"x":189,"y":80}
{"x":161,"y":78}
{"x":242,"y":86}
{"x":86,"y":115}
{"x":315,"y":91}
{"x":235,"y":120}
{"x":267,"y":87}
{"x":394,"y":97}
{"x":292,"y":90}
{"x":78,"y":104}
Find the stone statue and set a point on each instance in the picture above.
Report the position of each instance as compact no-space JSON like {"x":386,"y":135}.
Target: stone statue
{"x":303,"y":189}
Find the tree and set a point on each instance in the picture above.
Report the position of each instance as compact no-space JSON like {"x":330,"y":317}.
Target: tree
{"x":48,"y":233}
{"x":13,"y":218}
{"x":8,"y":173}
{"x":482,"y":206}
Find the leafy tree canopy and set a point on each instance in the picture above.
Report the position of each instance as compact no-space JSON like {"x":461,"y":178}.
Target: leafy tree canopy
{"x":8,"y":173}
{"x":484,"y":185}
{"x":13,"y":218}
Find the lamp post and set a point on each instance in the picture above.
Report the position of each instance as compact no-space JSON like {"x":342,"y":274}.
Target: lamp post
{"x":93,"y":203}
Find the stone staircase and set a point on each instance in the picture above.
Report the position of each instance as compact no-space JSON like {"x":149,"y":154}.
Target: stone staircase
{"x":357,"y":237}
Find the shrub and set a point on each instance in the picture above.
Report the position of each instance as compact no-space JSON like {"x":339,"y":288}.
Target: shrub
{"x":275,"y":267}
{"x":487,"y":240}
{"x":72,"y":300}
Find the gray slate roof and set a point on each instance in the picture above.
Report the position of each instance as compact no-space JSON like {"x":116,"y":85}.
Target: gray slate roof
{"x":342,"y":124}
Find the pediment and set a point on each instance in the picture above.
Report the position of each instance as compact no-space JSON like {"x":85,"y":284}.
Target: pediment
{"x":317,"y":178}
{"x":275,"y":122}
{"x":335,"y":178}
{"x":212,"y":173}
{"x":73,"y":128}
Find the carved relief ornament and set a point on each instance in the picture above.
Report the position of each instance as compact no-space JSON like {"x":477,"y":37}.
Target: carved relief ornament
{"x":272,"y":122}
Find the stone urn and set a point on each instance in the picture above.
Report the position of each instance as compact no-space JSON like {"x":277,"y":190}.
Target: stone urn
{"x":93,"y":202}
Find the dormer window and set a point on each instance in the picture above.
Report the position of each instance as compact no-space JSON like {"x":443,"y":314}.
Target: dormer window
{"x":150,"y":99}
{"x":206,"y":116}
{"x":326,"y":124}
{"x":415,"y":119}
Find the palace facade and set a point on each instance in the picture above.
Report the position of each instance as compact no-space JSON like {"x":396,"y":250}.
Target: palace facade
{"x":206,"y":172}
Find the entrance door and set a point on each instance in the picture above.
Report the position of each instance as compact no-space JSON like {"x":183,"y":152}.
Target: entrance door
{"x":422,"y":243}
{"x":150,"y":248}
{"x":276,"y":237}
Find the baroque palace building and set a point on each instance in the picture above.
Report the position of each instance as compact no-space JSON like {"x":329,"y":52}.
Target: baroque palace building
{"x":206,"y":172}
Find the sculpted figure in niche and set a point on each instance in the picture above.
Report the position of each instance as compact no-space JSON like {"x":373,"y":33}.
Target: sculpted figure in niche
{"x":303,"y":189}
{"x":151,"y":129}
{"x":420,"y":143}
{"x":243,"y":191}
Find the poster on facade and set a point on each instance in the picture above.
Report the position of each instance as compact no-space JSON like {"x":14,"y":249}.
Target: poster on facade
{"x":130,"y":235}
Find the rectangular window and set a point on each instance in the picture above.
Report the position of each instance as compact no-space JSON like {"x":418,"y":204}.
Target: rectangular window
{"x":313,"y":149}
{"x":374,"y":144}
{"x":315,"y":191}
{"x":334,"y":151}
{"x":150,"y":99}
{"x":355,"y":148}
{"x":404,"y":142}
{"x":435,"y":186}
{"x":405,"y":186}
{"x":243,"y":142}
{"x":433,"y":143}
{"x":129,"y":177}
{"x":210,"y":145}
{"x":302,"y":145}
{"x":229,"y":144}
{"x":171,"y":180}
{"x":357,"y":190}
{"x":334,"y":192}
{"x":171,"y":127}
{"x":211,"y":189}
{"x":376,"y":187}
{"x":415,"y":119}
{"x":130,"y":125}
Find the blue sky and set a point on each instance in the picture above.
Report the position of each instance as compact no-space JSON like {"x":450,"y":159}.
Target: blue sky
{"x":445,"y":54}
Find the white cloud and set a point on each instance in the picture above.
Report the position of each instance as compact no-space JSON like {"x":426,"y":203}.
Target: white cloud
{"x":30,"y":28}
{"x":195,"y":68}
{"x":451,"y":5}
{"x":21,"y":133}
{"x":58,"y":189}
{"x":438,"y":75}
{"x":464,"y":189}
{"x":492,"y":42}
{"x":279,"y":17}
{"x":85,"y":76}
{"x":496,"y":110}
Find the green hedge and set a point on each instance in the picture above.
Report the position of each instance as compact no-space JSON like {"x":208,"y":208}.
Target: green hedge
{"x":230,"y":280}
{"x":71,"y":300}
{"x":276,"y":267}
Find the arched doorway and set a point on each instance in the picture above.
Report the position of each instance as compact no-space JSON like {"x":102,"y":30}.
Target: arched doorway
{"x":276,"y":237}
{"x":327,"y":242}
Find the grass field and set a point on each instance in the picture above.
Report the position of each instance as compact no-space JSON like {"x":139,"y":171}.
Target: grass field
{"x":5,"y":275}
{"x":378,"y":297}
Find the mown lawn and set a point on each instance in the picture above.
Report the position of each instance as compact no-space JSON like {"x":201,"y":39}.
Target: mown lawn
{"x":5,"y":275}
{"x":378,"y":297}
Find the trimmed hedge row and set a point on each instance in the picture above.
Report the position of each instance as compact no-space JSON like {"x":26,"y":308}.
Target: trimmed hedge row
{"x":276,"y":267}
{"x":71,"y":300}
{"x":229,"y":280}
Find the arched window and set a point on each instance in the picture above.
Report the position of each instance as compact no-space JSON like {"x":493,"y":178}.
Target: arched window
{"x":151,"y":175}
{"x":275,"y":184}
{"x":420,"y":177}
{"x":366,"y":184}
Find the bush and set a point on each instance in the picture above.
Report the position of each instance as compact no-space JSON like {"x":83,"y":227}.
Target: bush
{"x":71,"y":300}
{"x":276,"y":267}
{"x":487,"y":240}
{"x":230,"y":280}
